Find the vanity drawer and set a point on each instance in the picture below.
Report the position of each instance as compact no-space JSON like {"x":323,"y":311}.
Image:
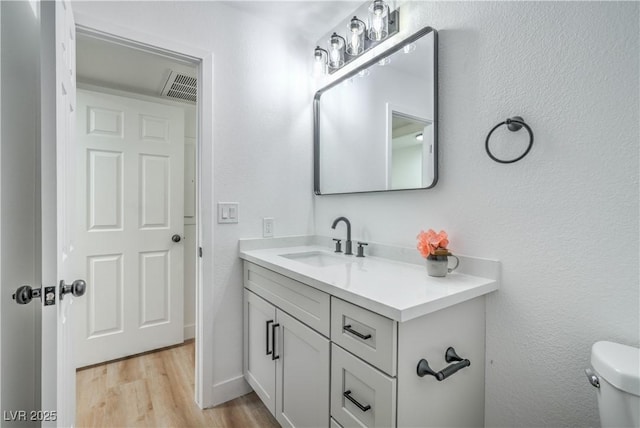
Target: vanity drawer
{"x":370,"y":336}
{"x":305,"y":303}
{"x":372,"y":394}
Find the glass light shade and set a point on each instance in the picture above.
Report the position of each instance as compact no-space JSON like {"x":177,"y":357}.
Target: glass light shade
{"x":355,"y":36}
{"x":378,"y":20}
{"x":320,"y":61}
{"x":336,"y":51}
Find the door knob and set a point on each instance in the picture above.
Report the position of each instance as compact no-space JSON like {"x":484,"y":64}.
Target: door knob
{"x":176,"y":238}
{"x":77,"y":288}
{"x":24,"y":294}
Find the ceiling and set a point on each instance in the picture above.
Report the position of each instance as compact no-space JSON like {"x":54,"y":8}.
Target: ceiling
{"x":310,"y":19}
{"x":118,"y":66}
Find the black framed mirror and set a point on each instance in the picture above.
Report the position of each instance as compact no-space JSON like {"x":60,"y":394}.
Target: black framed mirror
{"x":376,"y":128}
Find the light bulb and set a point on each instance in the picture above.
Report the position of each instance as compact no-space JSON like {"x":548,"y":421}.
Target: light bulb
{"x":377,"y":21}
{"x":335,"y":55}
{"x":355,"y":42}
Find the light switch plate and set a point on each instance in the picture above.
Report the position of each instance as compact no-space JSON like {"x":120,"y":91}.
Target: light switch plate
{"x":228,"y":212}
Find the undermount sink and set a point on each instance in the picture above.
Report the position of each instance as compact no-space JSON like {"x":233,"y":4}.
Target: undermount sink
{"x":317,"y":258}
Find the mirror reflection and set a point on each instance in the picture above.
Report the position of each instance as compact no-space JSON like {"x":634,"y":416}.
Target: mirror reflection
{"x":375,"y":128}
{"x":411,"y":149}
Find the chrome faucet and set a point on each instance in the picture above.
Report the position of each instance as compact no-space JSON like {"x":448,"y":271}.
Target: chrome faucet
{"x":347,"y":247}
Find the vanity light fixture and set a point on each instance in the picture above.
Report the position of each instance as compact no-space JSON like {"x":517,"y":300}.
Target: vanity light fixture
{"x":320,"y":61}
{"x":383,"y":23}
{"x":378,"y":20}
{"x":355,"y":32}
{"x":419,"y":137}
{"x":336,"y":51}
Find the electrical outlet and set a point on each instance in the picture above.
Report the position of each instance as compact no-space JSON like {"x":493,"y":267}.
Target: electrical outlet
{"x":267,"y":227}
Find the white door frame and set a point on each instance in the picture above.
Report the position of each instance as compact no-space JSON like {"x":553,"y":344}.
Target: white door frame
{"x":205,"y":212}
{"x":0,"y":214}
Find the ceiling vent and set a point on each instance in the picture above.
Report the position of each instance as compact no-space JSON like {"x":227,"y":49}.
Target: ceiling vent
{"x":181,"y":87}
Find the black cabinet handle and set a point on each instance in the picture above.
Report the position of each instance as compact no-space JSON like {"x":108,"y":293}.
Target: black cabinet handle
{"x":273,"y":342}
{"x":267,"y":339}
{"x":347,"y":395}
{"x":356,"y":333}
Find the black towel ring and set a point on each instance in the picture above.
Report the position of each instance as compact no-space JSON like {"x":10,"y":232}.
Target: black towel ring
{"x":514,"y":124}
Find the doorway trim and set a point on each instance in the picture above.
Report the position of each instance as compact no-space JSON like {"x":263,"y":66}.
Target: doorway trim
{"x":205,"y":211}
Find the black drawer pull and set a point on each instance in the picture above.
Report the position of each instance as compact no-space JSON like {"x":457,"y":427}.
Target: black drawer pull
{"x":348,"y":396}
{"x":267,"y":339}
{"x":352,"y":331}
{"x":273,"y":342}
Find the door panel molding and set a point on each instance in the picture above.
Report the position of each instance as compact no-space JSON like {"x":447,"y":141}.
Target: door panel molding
{"x":155,"y":285}
{"x":106,"y":292}
{"x":105,"y":170}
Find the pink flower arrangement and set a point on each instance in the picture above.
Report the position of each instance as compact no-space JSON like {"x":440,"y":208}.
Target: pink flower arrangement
{"x":431,"y":243}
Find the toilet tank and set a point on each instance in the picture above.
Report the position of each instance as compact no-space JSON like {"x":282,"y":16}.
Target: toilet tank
{"x":618,"y":369}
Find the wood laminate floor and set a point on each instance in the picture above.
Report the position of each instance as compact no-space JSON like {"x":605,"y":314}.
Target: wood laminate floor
{"x":156,"y":390}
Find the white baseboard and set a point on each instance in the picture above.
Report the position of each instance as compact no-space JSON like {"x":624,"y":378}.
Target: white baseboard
{"x":230,"y":389}
{"x":189,"y":331}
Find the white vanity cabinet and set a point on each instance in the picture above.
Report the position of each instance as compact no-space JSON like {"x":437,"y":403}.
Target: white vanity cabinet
{"x":318,"y":360}
{"x":285,"y":361}
{"x":377,"y":358}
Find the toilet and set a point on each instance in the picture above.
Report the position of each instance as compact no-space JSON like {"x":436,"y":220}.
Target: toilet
{"x":616,"y":375}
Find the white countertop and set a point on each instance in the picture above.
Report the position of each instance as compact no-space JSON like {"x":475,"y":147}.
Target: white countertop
{"x":397,"y":290}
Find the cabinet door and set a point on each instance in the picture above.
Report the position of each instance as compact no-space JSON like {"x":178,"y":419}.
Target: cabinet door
{"x":259,"y":365}
{"x":302,"y":374}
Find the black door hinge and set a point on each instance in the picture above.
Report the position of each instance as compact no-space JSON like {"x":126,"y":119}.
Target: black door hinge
{"x":199,"y":251}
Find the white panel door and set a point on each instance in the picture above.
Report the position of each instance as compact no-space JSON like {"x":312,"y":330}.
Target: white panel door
{"x":302,"y":374}
{"x":130,"y":205}
{"x":57,"y":168}
{"x":33,"y":367}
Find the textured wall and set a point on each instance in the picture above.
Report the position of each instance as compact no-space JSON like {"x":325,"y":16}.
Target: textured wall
{"x":563,"y":221}
{"x":262,"y":135}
